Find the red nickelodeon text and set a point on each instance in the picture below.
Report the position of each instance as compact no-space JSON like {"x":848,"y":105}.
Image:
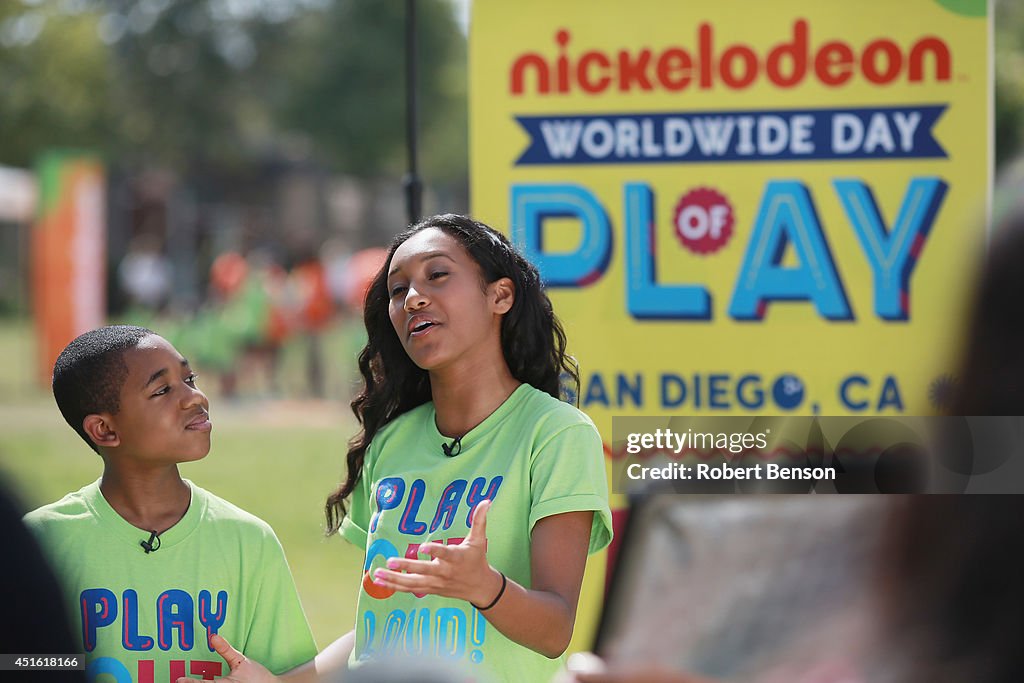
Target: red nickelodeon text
{"x":738,"y":65}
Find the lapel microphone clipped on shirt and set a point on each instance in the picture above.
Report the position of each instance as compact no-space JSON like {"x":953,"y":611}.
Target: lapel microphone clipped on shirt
{"x":149,"y":546}
{"x":454,"y":449}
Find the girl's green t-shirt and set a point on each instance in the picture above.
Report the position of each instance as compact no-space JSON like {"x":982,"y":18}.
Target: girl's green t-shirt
{"x":535,"y":456}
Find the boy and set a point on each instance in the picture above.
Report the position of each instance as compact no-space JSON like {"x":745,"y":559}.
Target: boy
{"x":155,"y":565}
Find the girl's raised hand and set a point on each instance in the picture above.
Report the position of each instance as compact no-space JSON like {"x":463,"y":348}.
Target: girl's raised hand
{"x":243,"y":670}
{"x":454,"y":571}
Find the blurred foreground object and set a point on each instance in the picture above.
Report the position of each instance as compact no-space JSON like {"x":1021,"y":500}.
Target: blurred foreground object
{"x":745,"y":588}
{"x":35,"y":622}
{"x":991,"y":376}
{"x":951,"y":589}
{"x":879,"y":589}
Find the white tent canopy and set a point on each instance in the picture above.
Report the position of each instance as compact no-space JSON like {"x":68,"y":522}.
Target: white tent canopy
{"x":18,"y":192}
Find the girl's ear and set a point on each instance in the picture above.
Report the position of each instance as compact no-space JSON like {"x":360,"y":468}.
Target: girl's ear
{"x":100,"y":428}
{"x":503,"y":293}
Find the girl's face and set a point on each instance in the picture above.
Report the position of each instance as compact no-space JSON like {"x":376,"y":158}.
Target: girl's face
{"x":440,"y":308}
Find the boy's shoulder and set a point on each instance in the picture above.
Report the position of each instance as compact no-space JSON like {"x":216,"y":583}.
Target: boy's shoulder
{"x":223,"y":513}
{"x":86,"y":507}
{"x":75,"y":507}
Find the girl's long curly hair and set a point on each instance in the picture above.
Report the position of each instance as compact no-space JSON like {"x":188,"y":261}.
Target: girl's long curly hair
{"x":532,"y":342}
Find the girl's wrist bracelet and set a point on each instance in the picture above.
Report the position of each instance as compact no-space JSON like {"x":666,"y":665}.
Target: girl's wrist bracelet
{"x":504,"y":582}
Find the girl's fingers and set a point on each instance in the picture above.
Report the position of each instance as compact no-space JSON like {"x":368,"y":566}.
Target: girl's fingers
{"x":438,"y":550}
{"x":405,"y":582}
{"x":414,"y":566}
{"x":478,"y":532}
{"x":440,"y":574}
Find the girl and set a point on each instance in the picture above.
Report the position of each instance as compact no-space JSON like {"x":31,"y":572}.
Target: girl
{"x":460,"y":414}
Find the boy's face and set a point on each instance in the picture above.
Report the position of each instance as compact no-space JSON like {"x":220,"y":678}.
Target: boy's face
{"x":163,"y":417}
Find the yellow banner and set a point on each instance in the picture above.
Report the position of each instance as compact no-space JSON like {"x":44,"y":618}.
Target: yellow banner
{"x":739,"y":207}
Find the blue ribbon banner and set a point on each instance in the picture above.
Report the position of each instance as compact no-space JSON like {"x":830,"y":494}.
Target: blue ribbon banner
{"x":734,"y":136}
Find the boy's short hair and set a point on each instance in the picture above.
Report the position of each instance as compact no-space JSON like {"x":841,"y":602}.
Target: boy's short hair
{"x":90,"y":371}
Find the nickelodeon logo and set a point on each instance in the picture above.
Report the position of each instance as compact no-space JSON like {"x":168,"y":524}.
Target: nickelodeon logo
{"x":737,"y":66}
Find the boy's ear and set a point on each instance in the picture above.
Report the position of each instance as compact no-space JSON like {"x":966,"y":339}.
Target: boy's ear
{"x":504,"y":293}
{"x":100,"y":428}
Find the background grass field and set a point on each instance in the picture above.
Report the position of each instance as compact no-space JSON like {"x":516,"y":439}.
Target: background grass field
{"x":277,"y":459}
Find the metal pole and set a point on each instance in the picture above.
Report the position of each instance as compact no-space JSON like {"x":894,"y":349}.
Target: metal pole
{"x":412,"y":184}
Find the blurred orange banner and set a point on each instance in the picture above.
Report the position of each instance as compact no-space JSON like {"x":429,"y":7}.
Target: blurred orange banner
{"x":69,"y":252}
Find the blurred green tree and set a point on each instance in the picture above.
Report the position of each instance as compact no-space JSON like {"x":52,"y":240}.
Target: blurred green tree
{"x":214,"y":84}
{"x":56,"y":80}
{"x":1009,"y":77}
{"x":344,"y":80}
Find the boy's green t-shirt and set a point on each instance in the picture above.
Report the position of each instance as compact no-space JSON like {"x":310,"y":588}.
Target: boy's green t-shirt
{"x":535,"y":456}
{"x":145,"y":617}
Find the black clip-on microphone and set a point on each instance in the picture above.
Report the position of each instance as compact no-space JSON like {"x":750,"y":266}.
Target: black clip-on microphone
{"x":454,"y":449}
{"x":148,"y":545}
